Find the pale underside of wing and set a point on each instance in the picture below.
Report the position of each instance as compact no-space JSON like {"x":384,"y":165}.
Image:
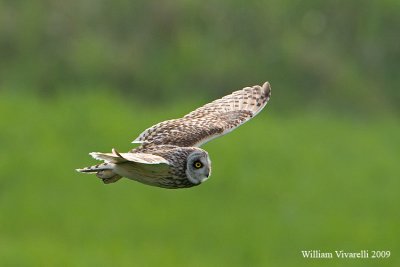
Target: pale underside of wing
{"x":139,"y":164}
{"x":211,"y":120}
{"x":116,"y":157}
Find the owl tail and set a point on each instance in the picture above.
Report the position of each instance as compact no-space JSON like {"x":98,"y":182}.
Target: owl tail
{"x":103,"y":171}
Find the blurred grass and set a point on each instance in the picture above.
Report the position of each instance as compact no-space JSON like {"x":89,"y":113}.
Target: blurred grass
{"x":328,"y":52}
{"x":314,"y":180}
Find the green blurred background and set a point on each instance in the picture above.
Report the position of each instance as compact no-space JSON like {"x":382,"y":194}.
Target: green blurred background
{"x":318,"y":169}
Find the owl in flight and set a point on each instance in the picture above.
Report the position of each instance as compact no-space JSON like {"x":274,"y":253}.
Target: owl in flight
{"x":169,"y":155}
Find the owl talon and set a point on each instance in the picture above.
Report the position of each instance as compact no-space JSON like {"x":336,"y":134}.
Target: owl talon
{"x":112,"y":179}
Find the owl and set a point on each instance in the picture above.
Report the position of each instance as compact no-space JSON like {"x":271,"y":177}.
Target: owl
{"x":169,"y":153}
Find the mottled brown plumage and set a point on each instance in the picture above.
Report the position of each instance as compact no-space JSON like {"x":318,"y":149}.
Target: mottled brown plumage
{"x":169,"y":155}
{"x":211,"y":120}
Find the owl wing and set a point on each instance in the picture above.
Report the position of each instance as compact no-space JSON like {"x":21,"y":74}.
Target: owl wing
{"x":211,"y":120}
{"x":116,"y":157}
{"x":141,"y":163}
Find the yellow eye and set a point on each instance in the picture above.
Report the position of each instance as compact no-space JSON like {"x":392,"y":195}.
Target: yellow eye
{"x":198,"y":165}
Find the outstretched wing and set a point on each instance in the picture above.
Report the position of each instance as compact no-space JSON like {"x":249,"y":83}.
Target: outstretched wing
{"x":118,"y":164}
{"x":211,"y":120}
{"x":116,"y":157}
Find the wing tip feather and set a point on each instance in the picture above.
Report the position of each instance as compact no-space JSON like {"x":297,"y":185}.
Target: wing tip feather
{"x":262,"y":98}
{"x":116,"y":153}
{"x":95,"y":155}
{"x":266,"y":87}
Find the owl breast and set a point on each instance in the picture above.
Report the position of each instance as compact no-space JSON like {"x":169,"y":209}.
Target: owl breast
{"x":166,"y":177}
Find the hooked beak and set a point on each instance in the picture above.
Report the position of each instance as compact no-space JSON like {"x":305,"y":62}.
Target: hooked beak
{"x":208,"y":172}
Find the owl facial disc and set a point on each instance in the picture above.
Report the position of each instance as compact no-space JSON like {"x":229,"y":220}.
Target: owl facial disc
{"x":198,"y":167}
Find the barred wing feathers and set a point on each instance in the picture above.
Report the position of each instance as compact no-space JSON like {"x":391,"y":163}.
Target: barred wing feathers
{"x":209,"y":121}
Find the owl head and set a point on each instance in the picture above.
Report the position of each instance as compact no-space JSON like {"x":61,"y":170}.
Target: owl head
{"x":198,"y":166}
